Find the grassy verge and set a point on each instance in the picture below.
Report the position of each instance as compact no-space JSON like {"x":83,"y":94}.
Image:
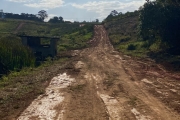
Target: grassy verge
{"x":18,"y":89}
{"x":77,"y":39}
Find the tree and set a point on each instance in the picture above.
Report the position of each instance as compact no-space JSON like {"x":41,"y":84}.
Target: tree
{"x":120,"y":13}
{"x":114,"y":13}
{"x":56,"y":20}
{"x":97,"y":20}
{"x":61,"y":20}
{"x":42,"y":15}
{"x":169,"y":2}
{"x":160,"y":22}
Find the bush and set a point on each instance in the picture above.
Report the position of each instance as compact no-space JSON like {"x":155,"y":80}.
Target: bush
{"x":14,"y":55}
{"x":131,"y":47}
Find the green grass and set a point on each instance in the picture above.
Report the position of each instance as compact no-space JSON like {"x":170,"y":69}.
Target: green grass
{"x":77,"y":39}
{"x":8,"y":26}
{"x":7,"y":80}
{"x":13,"y":54}
{"x":36,"y":28}
{"x":47,"y":29}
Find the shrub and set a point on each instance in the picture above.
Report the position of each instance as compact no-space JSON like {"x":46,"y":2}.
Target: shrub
{"x":131,"y":47}
{"x":14,"y":55}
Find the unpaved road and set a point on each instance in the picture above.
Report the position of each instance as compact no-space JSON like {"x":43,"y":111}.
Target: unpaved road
{"x":102,"y":84}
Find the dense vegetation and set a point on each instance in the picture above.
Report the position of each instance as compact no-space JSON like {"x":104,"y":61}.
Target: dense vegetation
{"x":160,"y":22}
{"x":23,"y":16}
{"x":13,"y":55}
{"x":152,"y":31}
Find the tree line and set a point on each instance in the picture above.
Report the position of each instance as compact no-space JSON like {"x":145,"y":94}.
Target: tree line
{"x":40,"y":17}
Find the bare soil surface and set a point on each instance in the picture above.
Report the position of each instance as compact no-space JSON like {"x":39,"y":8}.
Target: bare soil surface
{"x":102,"y":84}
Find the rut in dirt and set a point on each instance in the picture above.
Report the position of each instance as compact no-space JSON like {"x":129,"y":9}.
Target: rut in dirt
{"x":99,"y":85}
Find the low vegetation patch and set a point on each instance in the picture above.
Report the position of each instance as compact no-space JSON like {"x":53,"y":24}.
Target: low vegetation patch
{"x":18,"y":89}
{"x":77,"y":39}
{"x":13,"y":55}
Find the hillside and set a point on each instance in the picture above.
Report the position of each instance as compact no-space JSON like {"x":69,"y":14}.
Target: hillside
{"x":124,"y":34}
{"x":122,"y":31}
{"x":15,"y":56}
{"x":35,"y":28}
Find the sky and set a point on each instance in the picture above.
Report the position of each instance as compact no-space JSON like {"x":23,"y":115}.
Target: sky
{"x":71,"y":10}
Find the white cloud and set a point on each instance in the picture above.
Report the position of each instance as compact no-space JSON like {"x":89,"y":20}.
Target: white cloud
{"x":20,"y":1}
{"x":45,"y":4}
{"x":103,"y":8}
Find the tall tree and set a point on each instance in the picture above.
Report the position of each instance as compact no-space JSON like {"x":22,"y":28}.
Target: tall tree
{"x":169,"y":2}
{"x":61,"y":20}
{"x":42,"y":14}
{"x":114,"y":13}
{"x":97,"y":20}
{"x":160,"y":22}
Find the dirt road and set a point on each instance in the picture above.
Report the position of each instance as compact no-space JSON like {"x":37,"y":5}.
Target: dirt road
{"x":102,"y":84}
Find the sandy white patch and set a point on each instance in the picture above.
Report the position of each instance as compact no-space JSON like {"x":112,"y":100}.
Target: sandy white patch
{"x":112,"y":106}
{"x":117,"y":56}
{"x":79,"y":65}
{"x":147,"y":81}
{"x":43,"y":108}
{"x":139,"y":116}
{"x":173,"y":90}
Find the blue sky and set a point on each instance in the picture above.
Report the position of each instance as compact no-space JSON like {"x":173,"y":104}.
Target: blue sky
{"x":77,"y":10}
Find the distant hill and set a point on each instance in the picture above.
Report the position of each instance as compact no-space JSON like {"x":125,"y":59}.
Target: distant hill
{"x":35,"y":28}
{"x":123,"y":32}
